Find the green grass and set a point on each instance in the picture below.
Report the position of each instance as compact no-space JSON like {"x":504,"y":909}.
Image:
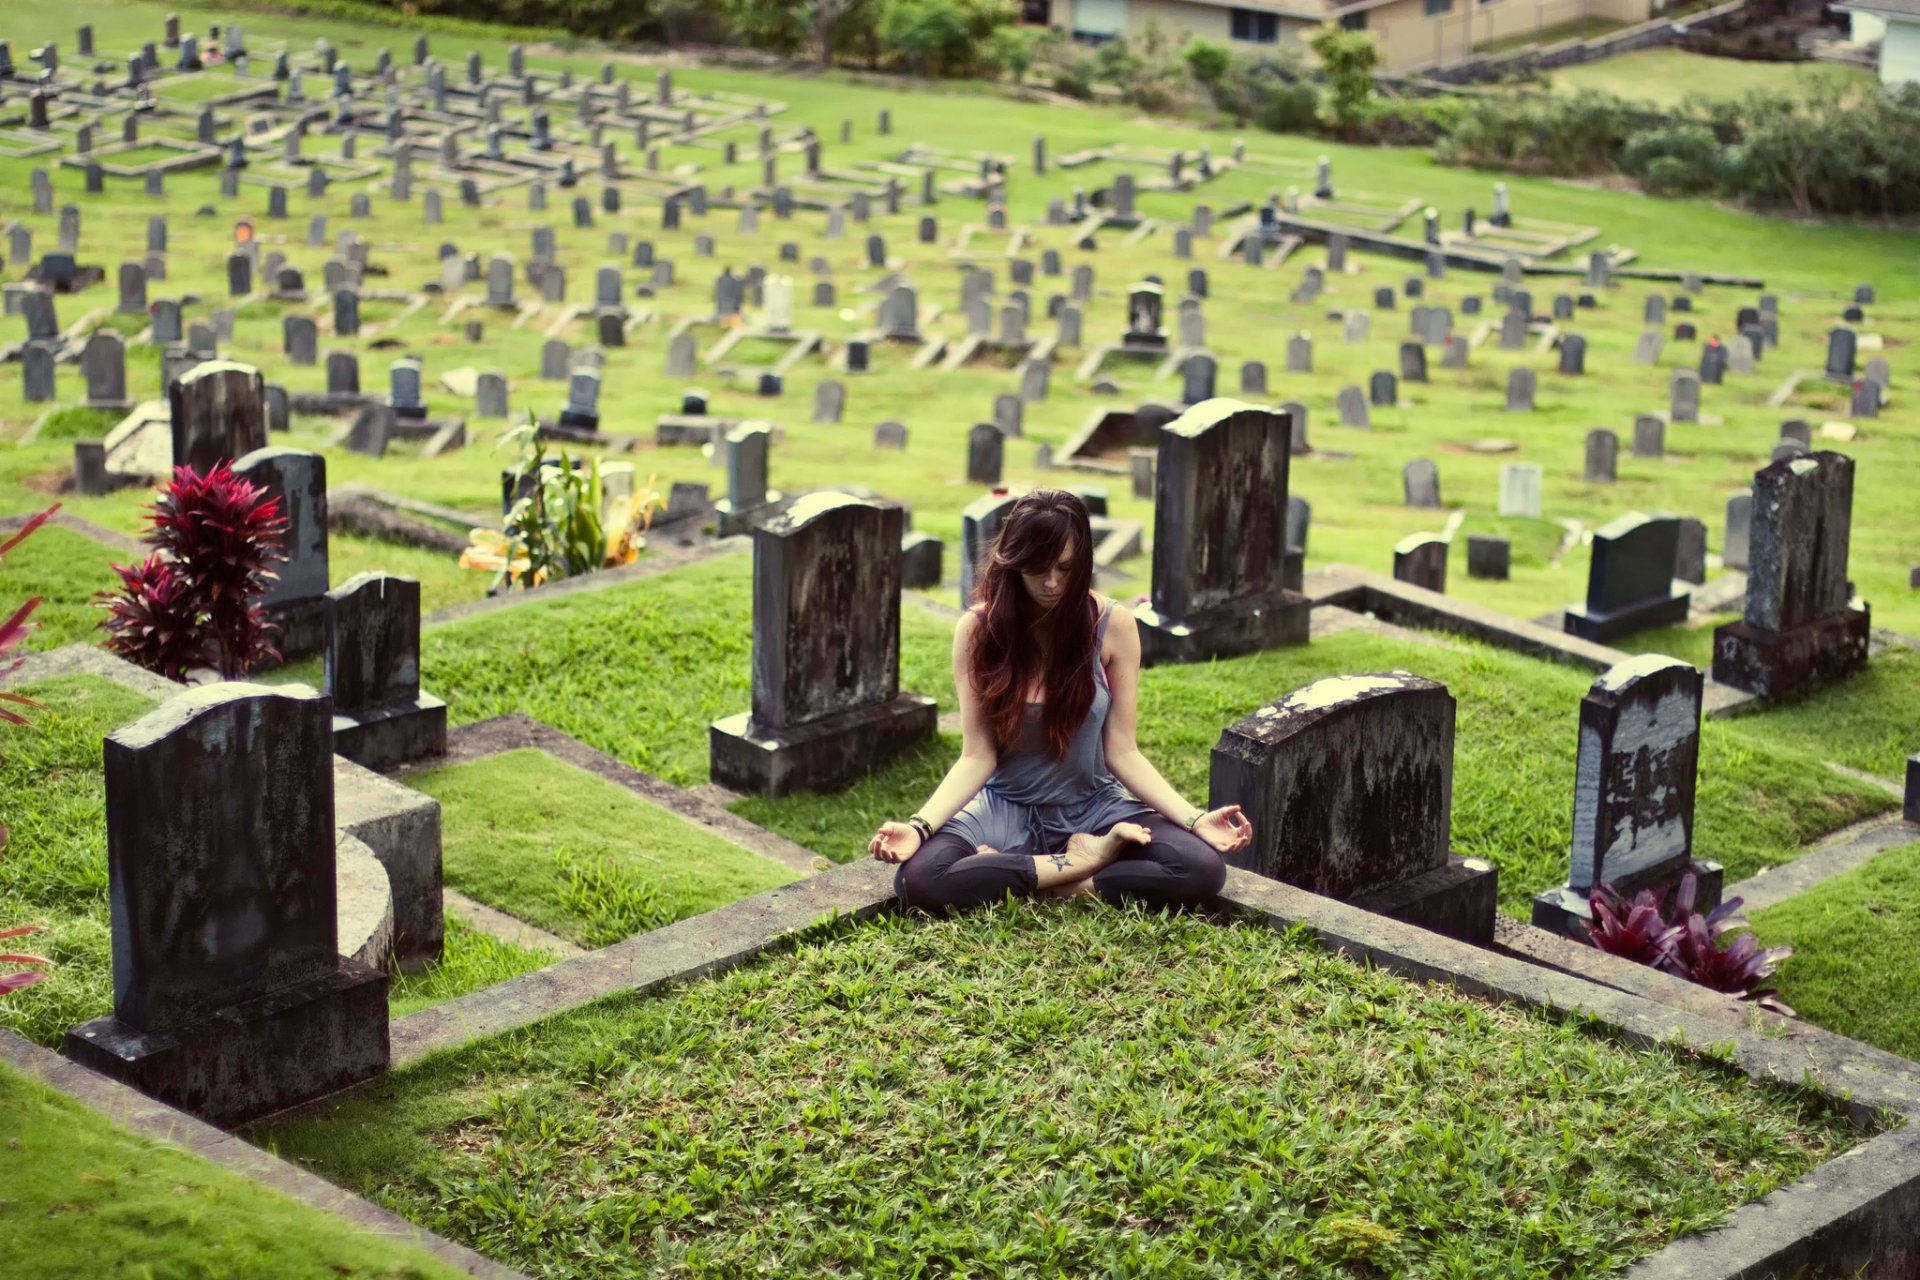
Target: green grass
{"x":85,"y":1198}
{"x":53,"y":871}
{"x":577,"y":855}
{"x":1043,"y":1090}
{"x":1870,"y":722}
{"x":1855,"y":938}
{"x":471,"y":960}
{"x":77,"y":422}
{"x":64,"y":569}
{"x":1667,"y":77}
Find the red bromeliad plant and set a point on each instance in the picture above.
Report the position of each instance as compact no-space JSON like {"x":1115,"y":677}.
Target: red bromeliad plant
{"x":11,"y":982}
{"x":196,"y":600}
{"x":12,"y":632}
{"x":1687,"y":944}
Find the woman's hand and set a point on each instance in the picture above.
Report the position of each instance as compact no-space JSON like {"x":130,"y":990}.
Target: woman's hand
{"x":894,"y":842}
{"x":1226,"y":829}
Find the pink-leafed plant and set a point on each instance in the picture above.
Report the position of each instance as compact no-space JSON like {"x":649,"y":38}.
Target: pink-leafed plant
{"x":1687,"y":944}
{"x":11,"y":982}
{"x":12,"y":632}
{"x":196,"y":600}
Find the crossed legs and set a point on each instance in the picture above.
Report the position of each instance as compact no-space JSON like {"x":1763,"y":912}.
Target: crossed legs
{"x":1153,"y":859}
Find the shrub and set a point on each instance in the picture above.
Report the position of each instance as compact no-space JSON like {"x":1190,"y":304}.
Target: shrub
{"x":560,"y":526}
{"x":1272,"y":92}
{"x":196,"y":600}
{"x":1563,"y":136}
{"x":1686,"y":943}
{"x":943,"y":37}
{"x":1683,"y":159}
{"x":1348,"y":58}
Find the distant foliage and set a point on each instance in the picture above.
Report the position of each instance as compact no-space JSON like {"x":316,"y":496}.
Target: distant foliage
{"x":1834,"y":146}
{"x":1348,"y":60}
{"x":196,"y":600}
{"x":1272,"y":91}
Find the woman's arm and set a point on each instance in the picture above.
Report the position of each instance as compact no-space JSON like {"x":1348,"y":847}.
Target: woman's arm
{"x":1226,"y":828}
{"x":896,"y":841}
{"x":978,"y":756}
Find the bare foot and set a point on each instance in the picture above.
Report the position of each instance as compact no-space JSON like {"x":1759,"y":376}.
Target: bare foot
{"x":1072,"y":889}
{"x":1098,"y":851}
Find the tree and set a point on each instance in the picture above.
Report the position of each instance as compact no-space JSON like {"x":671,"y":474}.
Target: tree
{"x":1348,"y":58}
{"x":788,"y":26}
{"x":1207,"y":63}
{"x":1012,"y":50}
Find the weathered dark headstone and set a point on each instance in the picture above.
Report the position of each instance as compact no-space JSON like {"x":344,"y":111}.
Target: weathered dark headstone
{"x":1603,"y":455}
{"x":827,"y":705}
{"x":1489,"y":557}
{"x":231,"y":999}
{"x":1630,"y":580}
{"x":1420,"y":481}
{"x":1348,"y":785}
{"x":1219,"y":553}
{"x":1801,"y":627}
{"x":219,"y":414}
{"x":381,"y":719}
{"x":295,"y":601}
{"x":1420,"y":560}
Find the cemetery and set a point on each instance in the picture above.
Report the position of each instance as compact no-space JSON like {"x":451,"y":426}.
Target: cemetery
{"x":496,"y":518}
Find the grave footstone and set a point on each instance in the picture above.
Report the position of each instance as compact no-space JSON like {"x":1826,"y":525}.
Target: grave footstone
{"x":231,"y":999}
{"x":1219,"y":549}
{"x":381,"y":718}
{"x":1802,"y":627}
{"x":1488,"y":557}
{"x":1630,"y":580}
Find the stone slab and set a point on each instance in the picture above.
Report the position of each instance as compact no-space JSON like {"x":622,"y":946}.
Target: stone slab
{"x":1600,"y":627}
{"x":1243,"y":626}
{"x":1772,"y":664}
{"x":385,"y":737}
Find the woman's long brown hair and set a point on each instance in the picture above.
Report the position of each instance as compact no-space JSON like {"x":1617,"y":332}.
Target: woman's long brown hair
{"x":1016,"y":637}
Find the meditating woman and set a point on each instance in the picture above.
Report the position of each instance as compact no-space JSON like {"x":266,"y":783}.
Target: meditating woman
{"x":1047,"y":670}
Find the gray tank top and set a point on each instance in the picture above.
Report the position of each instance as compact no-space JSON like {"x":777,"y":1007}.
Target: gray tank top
{"x":1026,"y":774}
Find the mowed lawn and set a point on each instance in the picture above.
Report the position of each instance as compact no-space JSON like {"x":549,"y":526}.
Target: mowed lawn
{"x":1667,"y":77}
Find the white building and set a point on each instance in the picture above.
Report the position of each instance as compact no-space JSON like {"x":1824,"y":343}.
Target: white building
{"x":1896,"y":25}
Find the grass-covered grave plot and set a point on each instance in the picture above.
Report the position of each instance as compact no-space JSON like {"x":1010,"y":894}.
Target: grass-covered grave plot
{"x":670,"y":655}
{"x":577,"y":855}
{"x":85,"y":1198}
{"x":1855,"y":938}
{"x":53,"y":870}
{"x":1043,"y":1090}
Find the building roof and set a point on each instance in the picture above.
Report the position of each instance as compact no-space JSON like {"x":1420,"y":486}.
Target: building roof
{"x":1310,"y":10}
{"x":1885,"y":8}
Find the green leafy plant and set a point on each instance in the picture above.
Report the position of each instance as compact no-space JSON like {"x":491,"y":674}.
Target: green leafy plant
{"x":559,"y":526}
{"x":1348,"y":59}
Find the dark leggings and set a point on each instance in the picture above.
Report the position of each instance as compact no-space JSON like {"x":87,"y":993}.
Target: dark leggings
{"x":1177,"y":869}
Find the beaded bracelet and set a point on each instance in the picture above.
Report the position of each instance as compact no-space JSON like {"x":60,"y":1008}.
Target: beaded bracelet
{"x":921,"y":825}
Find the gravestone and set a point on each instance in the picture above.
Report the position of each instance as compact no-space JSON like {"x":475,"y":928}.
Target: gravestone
{"x":37,"y":375}
{"x":1842,"y":343}
{"x":1198,"y":376}
{"x":490,"y":395}
{"x":1420,"y":482}
{"x":986,"y":449}
{"x":1348,"y":785}
{"x":1801,"y":628}
{"x":1253,"y":378}
{"x":295,"y":601}
{"x":1690,"y":560}
{"x":1630,"y":580}
{"x":1633,"y":796}
{"x":1297,"y":413}
{"x":370,"y":430}
{"x":829,"y":401}
{"x":827,"y":705}
{"x":1353,"y":408}
{"x":1413,"y":362}
{"x":1489,"y":557}
{"x":343,"y":373}
{"x":1383,"y":390}
{"x":1649,"y":436}
{"x":1520,"y":390}
{"x":890,"y":435}
{"x":1219,"y":548}
{"x":103,"y":361}
{"x":1420,"y":560}
{"x":218,"y":414}
{"x":1646,"y":348}
{"x":1008,"y":412}
{"x":381,"y":719}
{"x":1300,"y":353}
{"x":1520,"y":489}
{"x":1737,"y":542}
{"x":1573,"y":355}
{"x":1683,"y":393}
{"x":230,"y":997}
{"x":1603,"y":454}
{"x":556,"y":360}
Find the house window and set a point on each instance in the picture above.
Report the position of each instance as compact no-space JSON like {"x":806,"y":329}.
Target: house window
{"x":1255,"y":27}
{"x":1437,"y":7}
{"x":1354,"y":21}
